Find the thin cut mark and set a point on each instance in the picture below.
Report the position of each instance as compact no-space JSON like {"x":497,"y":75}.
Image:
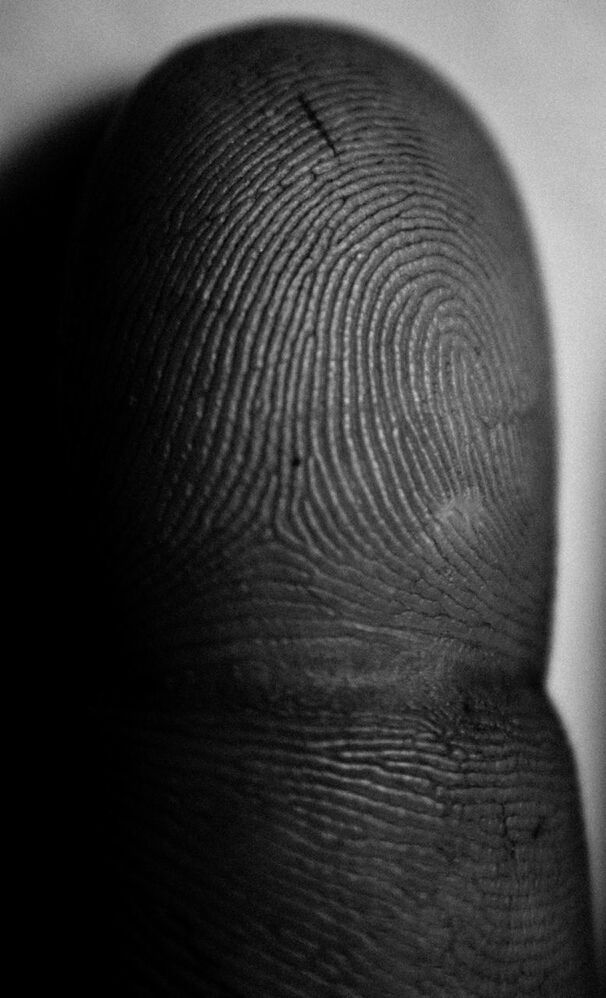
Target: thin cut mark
{"x":317,"y":124}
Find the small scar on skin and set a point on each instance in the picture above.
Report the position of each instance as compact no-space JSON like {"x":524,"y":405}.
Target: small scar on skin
{"x":316,"y":123}
{"x":462,"y":514}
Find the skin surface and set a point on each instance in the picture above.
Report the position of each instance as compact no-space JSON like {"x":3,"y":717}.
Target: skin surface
{"x":309,"y":415}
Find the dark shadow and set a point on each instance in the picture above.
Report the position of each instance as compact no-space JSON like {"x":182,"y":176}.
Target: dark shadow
{"x":41,"y":185}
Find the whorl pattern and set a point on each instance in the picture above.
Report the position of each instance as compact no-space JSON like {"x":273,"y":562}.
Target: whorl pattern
{"x":315,"y":400}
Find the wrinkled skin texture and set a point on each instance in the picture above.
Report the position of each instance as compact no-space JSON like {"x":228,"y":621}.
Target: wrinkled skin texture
{"x":309,"y":423}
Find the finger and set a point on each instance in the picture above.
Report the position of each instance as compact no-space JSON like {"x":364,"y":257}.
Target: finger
{"x":309,"y":384}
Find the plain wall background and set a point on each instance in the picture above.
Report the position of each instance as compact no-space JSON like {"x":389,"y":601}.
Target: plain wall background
{"x":536,"y":72}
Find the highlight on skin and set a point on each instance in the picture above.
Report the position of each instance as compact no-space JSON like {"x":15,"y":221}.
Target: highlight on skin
{"x":308,"y":399}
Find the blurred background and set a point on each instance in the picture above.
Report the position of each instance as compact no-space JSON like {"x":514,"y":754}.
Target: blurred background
{"x":535,"y":70}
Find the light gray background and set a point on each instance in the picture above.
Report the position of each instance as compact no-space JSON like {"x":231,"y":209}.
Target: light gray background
{"x":535,"y":70}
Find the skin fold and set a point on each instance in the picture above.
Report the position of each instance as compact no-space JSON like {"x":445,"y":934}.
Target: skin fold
{"x":309,"y":427}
